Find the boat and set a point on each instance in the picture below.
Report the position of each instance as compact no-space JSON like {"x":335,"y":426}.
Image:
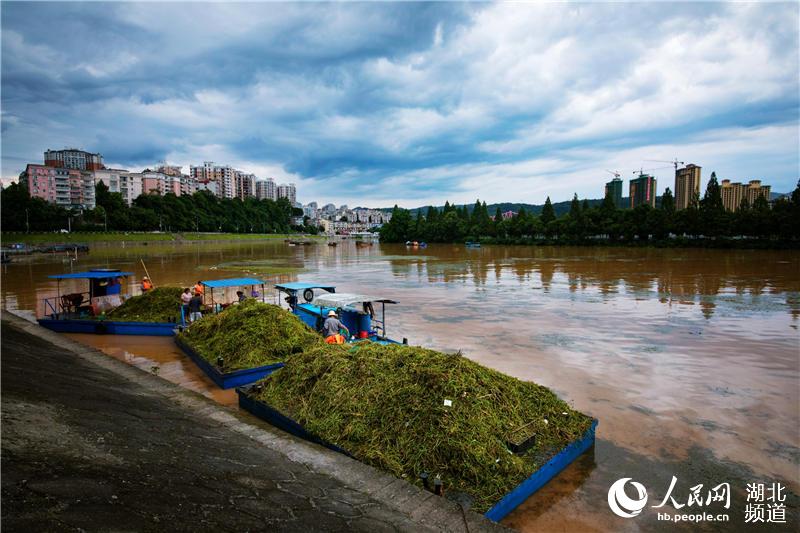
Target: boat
{"x":333,"y":243}
{"x":83,"y":312}
{"x":211,"y":303}
{"x":363,"y":244}
{"x":236,"y":378}
{"x":471,"y":244}
{"x":300,"y":243}
{"x":355,"y":311}
{"x":510,"y":501}
{"x":227,"y":380}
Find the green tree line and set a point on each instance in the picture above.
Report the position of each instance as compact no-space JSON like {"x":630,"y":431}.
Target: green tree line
{"x":705,"y":220}
{"x":201,"y":211}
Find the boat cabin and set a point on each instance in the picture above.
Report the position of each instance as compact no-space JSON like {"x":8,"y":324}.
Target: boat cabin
{"x":104,"y":293}
{"x":356,"y":311}
{"x":220,"y":300}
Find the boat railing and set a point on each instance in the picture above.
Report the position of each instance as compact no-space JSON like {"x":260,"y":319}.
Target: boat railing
{"x":66,"y":303}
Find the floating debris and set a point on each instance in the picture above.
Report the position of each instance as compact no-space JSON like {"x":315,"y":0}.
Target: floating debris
{"x":248,"y":335}
{"x":162,"y":304}
{"x":383,"y":404}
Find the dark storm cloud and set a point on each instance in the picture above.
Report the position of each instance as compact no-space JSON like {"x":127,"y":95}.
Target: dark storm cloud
{"x":406,"y":101}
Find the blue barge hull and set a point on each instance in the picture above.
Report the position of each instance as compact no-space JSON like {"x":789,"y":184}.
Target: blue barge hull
{"x":500,"y":510}
{"x":109,"y":327}
{"x":228,"y":380}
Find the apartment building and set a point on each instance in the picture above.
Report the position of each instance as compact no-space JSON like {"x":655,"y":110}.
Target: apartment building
{"x":287,"y":190}
{"x":643,"y":191}
{"x":244,"y":185}
{"x":224,"y":176}
{"x":73,"y":158}
{"x":734,"y":193}
{"x":66,"y":187}
{"x":266,"y":190}
{"x":687,"y":185}
{"x":614,"y":188}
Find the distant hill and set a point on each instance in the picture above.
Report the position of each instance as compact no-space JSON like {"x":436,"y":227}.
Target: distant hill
{"x":559,"y":207}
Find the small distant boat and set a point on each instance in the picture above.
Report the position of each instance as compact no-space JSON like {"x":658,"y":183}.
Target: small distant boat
{"x":471,"y":244}
{"x":300,"y":243}
{"x":363,"y":244}
{"x":333,"y":243}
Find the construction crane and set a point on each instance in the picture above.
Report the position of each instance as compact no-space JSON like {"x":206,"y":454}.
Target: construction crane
{"x":674,"y":162}
{"x":642,"y":171}
{"x":615,"y":173}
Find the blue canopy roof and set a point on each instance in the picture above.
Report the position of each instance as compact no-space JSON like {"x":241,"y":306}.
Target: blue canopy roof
{"x":92,"y":274}
{"x":298,"y":286}
{"x":233,"y":282}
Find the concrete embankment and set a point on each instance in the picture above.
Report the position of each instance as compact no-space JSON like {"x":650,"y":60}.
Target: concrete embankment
{"x":90,"y":443}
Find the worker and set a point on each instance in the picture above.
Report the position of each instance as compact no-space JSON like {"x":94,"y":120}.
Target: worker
{"x":198,"y":288}
{"x":240,"y":296}
{"x":186,"y":297}
{"x":146,"y":284}
{"x":195,"y":306}
{"x":331,"y":329}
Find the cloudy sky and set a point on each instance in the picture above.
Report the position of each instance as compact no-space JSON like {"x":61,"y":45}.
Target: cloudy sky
{"x":409,"y":103}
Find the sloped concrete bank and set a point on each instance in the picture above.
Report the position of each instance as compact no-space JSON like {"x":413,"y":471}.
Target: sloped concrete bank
{"x":91,"y":443}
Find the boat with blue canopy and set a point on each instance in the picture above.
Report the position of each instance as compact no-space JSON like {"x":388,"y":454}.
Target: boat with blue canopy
{"x":216,"y":302}
{"x":83,"y":312}
{"x":210,"y":300}
{"x":355,"y":311}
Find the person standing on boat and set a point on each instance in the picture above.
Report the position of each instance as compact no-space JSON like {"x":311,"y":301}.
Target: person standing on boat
{"x":186,"y":297}
{"x":195,"y":306}
{"x":331,"y":329}
{"x":146,"y":284}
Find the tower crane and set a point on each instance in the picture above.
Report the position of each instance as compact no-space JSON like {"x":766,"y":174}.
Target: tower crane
{"x":615,"y":173}
{"x":642,"y":171}
{"x":674,"y":162}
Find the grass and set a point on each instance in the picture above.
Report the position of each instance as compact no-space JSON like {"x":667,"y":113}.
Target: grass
{"x":386,"y":406}
{"x":161,"y":304}
{"x":130,"y":236}
{"x":83,"y":237}
{"x":248,"y":335}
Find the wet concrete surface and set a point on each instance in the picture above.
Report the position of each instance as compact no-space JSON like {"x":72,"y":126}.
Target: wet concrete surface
{"x":85,"y":449}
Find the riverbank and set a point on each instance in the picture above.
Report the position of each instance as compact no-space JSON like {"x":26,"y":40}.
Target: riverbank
{"x":85,"y":237}
{"x":89,"y":441}
{"x":724,"y":243}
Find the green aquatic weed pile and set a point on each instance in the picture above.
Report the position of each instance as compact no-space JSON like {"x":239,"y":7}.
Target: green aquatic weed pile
{"x":248,"y":335}
{"x":162,"y":304}
{"x":386,"y":406}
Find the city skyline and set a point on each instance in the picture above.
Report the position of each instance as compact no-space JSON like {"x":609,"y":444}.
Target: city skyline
{"x":378,"y":104}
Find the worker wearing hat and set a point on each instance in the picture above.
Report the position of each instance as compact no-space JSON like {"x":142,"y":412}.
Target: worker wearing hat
{"x":332,"y":327}
{"x":146,"y":284}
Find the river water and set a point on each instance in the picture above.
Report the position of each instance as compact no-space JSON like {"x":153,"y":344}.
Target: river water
{"x":690,"y":359}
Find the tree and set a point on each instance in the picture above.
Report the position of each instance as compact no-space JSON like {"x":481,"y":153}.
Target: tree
{"x":548,"y":214}
{"x":668,"y":201}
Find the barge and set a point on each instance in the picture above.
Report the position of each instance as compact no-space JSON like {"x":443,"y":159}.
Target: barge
{"x":510,"y":501}
{"x":84,"y":312}
{"x":216,"y":372}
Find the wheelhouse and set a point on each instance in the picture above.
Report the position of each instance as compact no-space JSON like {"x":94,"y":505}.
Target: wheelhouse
{"x":356,"y":311}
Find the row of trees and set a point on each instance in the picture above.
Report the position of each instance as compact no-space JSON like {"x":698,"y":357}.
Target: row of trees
{"x":705,"y":218}
{"x":201,"y":211}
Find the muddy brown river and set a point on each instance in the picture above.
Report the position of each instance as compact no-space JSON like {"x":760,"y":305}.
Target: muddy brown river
{"x":689,"y":359}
